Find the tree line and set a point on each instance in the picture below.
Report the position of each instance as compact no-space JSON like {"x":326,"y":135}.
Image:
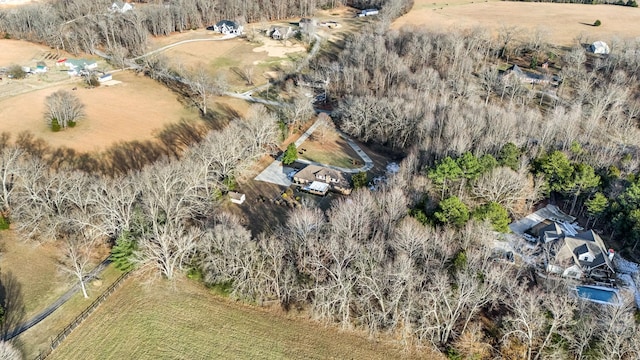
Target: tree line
{"x":79,"y":26}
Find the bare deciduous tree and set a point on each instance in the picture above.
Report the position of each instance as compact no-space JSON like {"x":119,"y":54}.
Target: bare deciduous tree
{"x":63,"y":108}
{"x":201,"y":84}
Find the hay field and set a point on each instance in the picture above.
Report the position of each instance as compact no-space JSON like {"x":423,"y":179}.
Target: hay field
{"x":564,"y":22}
{"x":185,"y":321}
{"x":132,"y":110}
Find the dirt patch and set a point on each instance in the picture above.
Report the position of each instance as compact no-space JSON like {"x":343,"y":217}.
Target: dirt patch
{"x":133,"y":110}
{"x":280,"y":49}
{"x":564,"y":22}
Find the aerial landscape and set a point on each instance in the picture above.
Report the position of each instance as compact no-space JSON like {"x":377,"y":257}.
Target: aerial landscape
{"x":319,"y":179}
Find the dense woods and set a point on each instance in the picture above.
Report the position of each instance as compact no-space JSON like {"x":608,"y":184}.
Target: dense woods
{"x":413,"y":259}
{"x":443,"y":96}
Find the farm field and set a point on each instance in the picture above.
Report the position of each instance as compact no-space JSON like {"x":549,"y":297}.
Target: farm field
{"x":19,"y":52}
{"x":564,"y":22}
{"x":132,"y":110}
{"x":151,"y":322}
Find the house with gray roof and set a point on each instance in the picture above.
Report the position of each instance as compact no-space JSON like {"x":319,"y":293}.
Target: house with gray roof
{"x":577,"y":256}
{"x":314,"y":175}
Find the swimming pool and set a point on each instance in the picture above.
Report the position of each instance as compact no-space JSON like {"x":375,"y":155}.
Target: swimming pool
{"x":598,"y":294}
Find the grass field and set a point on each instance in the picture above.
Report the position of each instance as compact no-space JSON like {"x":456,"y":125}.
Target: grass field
{"x":185,"y":321}
{"x":230,"y":57}
{"x":563,"y":22}
{"x":19,"y":52}
{"x":132,"y":110}
{"x":30,"y":272}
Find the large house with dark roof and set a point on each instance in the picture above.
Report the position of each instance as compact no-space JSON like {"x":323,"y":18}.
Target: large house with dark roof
{"x":227,"y":27}
{"x":577,"y":256}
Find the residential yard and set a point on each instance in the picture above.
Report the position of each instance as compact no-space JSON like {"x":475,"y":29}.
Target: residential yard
{"x":151,"y":322}
{"x":38,"y":338}
{"x":133,"y":110}
{"x":564,"y":22}
{"x":327,"y":147}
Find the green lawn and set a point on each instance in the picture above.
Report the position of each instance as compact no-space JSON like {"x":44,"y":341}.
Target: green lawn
{"x":186,"y":321}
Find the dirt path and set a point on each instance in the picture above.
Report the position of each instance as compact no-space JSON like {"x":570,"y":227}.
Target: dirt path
{"x":167,"y":47}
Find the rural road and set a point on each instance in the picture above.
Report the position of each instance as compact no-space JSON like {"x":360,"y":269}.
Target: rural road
{"x":159,"y":50}
{"x":55,"y":305}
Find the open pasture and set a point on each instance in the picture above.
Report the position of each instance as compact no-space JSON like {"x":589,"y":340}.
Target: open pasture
{"x":563,"y":22}
{"x":20,"y":52}
{"x":133,"y":110}
{"x":151,"y":322}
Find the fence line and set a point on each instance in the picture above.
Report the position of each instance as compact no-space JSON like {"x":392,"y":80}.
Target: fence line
{"x":83,"y":315}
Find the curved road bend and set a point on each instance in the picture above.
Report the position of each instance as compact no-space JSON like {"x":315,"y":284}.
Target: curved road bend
{"x":55,"y":305}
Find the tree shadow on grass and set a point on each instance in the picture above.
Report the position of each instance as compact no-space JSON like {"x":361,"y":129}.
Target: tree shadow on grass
{"x":12,"y":301}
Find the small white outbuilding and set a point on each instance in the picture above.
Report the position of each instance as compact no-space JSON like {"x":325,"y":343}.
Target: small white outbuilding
{"x":599,"y":47}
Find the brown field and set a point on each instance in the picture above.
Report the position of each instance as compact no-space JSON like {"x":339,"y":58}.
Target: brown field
{"x":229,"y":57}
{"x":563,"y":22}
{"x":19,"y":52}
{"x":185,"y":321}
{"x":132,"y":110}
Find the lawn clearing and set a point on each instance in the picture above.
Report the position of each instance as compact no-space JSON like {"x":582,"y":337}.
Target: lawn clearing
{"x":231,"y":57}
{"x":327,"y":147}
{"x":132,"y":110}
{"x":186,"y":321}
{"x":564,"y":22}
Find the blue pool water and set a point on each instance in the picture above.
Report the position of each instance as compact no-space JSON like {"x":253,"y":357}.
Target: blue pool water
{"x":597,"y":294}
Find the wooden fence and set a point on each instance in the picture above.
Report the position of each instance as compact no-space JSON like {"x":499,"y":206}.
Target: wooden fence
{"x":83,"y":315}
